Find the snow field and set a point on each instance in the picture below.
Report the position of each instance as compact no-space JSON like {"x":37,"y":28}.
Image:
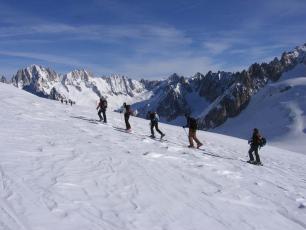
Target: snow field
{"x":61,"y":170}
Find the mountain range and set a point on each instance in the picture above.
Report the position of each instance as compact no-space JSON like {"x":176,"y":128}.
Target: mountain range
{"x":213,"y":98}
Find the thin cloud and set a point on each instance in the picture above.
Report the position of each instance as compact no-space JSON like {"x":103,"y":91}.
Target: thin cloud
{"x":217,"y":47}
{"x":73,"y":63}
{"x":157,"y":68}
{"x":103,"y":33}
{"x":42,"y":57}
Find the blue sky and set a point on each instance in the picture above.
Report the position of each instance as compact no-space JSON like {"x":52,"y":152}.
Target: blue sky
{"x":147,"y":39}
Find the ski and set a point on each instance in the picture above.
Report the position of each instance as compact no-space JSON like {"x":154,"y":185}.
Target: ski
{"x":122,"y":130}
{"x":252,"y":163}
{"x":157,"y":139}
{"x":206,"y":152}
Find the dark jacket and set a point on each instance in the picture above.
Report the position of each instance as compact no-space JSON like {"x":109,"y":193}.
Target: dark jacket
{"x":153,"y":116}
{"x":102,"y":104}
{"x":127,"y":110}
{"x":256,"y":139}
{"x":191,"y":123}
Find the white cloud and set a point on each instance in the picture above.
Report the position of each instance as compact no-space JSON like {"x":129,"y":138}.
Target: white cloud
{"x":216,"y":47}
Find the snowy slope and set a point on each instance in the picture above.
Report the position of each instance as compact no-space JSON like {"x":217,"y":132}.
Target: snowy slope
{"x":60,"y":170}
{"x":279,"y":110}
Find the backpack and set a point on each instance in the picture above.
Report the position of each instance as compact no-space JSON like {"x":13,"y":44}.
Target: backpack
{"x":154,"y":117}
{"x":193,"y":123}
{"x":151,"y":116}
{"x":263,"y":142}
{"x":104,"y":104}
{"x":129,"y":110}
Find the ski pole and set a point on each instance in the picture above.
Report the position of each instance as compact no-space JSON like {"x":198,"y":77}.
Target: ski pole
{"x":185,"y":131}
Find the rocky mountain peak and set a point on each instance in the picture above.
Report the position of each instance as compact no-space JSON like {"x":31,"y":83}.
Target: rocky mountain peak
{"x":174,"y":78}
{"x":36,"y":79}
{"x":77,"y":76}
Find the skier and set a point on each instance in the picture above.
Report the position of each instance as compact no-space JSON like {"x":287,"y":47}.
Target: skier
{"x":62,"y":101}
{"x":255,"y":142}
{"x":192,"y":125}
{"x":102,"y":109}
{"x":127,"y":112}
{"x":153,"y":116}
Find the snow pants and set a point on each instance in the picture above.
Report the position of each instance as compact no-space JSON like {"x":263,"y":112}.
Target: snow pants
{"x":254,"y":148}
{"x":126,"y":119}
{"x":193,"y":137}
{"x":154,"y":124}
{"x":104,"y":115}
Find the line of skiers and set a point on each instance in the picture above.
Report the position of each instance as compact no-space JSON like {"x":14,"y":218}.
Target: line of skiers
{"x":126,"y":109}
{"x":67,"y":101}
{"x":256,"y":141}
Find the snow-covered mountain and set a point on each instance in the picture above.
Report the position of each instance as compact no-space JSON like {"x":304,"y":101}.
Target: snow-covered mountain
{"x":36,"y":79}
{"x":278,"y":110}
{"x":247,"y":83}
{"x":177,"y":95}
{"x":79,"y":86}
{"x":215,"y":97}
{"x":61,"y":170}
{"x":84,"y":88}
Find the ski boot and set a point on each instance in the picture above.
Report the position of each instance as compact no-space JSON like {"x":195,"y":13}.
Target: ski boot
{"x":251,"y":162}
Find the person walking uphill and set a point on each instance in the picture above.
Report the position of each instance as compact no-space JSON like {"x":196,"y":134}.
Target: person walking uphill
{"x":154,"y":118}
{"x":102,"y":109}
{"x":193,"y":126}
{"x":127,"y":113}
{"x":255,"y":142}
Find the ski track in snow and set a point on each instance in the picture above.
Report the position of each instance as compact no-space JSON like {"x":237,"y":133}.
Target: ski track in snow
{"x":59,"y":169}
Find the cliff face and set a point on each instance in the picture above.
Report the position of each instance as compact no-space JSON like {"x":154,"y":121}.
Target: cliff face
{"x":246,"y":84}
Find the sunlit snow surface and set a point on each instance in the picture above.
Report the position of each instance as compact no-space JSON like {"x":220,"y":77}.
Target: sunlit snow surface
{"x":60,"y":170}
